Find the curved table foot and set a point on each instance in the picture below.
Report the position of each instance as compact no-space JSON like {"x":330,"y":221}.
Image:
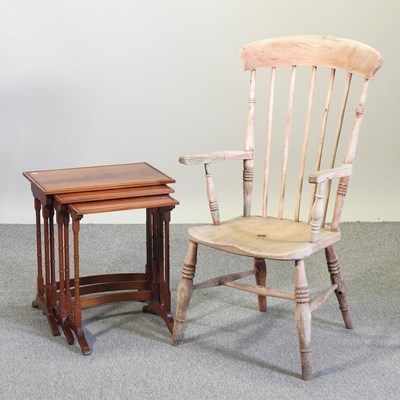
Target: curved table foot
{"x":53,"y":325}
{"x":159,"y":309}
{"x":67,"y":329}
{"x":40,"y":303}
{"x":84,"y":345}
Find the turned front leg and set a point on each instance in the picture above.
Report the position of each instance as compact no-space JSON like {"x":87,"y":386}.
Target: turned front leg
{"x":185,"y":290}
{"x":303,"y":319}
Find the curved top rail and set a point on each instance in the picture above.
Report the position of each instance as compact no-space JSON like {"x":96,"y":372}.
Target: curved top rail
{"x":326,"y":51}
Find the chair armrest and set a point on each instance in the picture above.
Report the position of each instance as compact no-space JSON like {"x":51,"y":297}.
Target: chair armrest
{"x":327,"y":174}
{"x":216,"y":156}
{"x":206,"y":159}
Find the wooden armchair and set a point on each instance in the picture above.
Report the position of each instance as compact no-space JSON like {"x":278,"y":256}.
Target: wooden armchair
{"x":314,"y":141}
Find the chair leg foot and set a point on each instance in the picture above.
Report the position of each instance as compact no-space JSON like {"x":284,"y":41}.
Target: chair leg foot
{"x":177,"y":332}
{"x":347,"y":319}
{"x":185,"y":290}
{"x":306,"y":370}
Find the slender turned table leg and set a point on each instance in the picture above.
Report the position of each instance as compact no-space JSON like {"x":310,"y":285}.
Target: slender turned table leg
{"x":165,"y":282}
{"x":68,"y":295}
{"x":53,"y":278}
{"x":77,"y":310}
{"x":157,"y":267}
{"x":50,"y":284}
{"x":62,"y":302}
{"x":40,"y":299}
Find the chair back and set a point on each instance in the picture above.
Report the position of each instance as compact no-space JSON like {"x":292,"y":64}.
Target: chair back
{"x":311,"y":93}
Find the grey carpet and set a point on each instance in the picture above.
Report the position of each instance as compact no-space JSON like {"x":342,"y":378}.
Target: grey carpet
{"x":230,"y":350}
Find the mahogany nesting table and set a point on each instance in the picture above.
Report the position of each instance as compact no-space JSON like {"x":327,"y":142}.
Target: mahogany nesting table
{"x":75,"y":192}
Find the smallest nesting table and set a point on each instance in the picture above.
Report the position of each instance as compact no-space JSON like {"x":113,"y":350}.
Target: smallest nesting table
{"x":69,"y":194}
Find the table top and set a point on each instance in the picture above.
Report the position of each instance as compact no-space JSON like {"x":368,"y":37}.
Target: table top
{"x":73,"y":180}
{"x":95,"y":207}
{"x":112,"y":194}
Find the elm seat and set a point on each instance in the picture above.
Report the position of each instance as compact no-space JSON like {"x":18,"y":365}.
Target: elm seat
{"x":255,"y":236}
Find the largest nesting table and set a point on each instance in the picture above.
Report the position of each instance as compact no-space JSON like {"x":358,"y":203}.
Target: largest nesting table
{"x":71,"y":193}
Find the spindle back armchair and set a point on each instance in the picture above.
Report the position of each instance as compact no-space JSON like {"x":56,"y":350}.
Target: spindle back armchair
{"x":311,"y":146}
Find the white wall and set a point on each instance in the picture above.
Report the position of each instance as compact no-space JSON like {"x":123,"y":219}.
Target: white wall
{"x":100,"y":82}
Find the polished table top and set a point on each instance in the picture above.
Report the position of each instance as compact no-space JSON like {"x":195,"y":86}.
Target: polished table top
{"x":74,"y":180}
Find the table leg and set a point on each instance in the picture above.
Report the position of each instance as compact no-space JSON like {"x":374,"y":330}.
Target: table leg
{"x":39,"y":301}
{"x":68,"y":294}
{"x":53,"y":285}
{"x":77,"y":309}
{"x":157,"y":266}
{"x":165,"y":293}
{"x":50,"y":283}
{"x":63,"y":260}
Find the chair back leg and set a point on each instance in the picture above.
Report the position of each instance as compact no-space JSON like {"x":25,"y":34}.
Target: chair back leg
{"x":261,"y":280}
{"x":336,"y":278}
